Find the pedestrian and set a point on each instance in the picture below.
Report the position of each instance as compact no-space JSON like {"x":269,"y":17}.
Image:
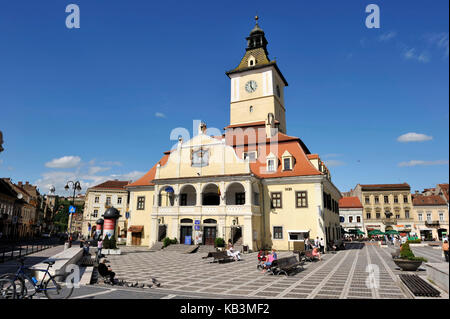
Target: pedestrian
{"x":322,"y":245}
{"x":445,"y":249}
{"x":86,"y":249}
{"x":99,"y":247}
{"x":307,"y":244}
{"x":316,"y":242}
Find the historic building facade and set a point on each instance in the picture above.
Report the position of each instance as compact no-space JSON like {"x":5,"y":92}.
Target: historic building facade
{"x":386,"y":206}
{"x":430,"y":216}
{"x":351,"y":214}
{"x":101,"y":197}
{"x":254,"y":184}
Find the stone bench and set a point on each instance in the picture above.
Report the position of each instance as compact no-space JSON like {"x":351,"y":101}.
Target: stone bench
{"x":62,"y":260}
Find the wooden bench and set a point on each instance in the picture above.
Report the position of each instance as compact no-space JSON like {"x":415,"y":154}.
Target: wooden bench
{"x":286,"y":265}
{"x":220,"y":256}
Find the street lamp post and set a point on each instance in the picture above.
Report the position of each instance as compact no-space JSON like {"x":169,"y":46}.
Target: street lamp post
{"x":76,"y":186}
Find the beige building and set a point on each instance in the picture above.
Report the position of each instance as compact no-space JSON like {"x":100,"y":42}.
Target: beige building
{"x":430,"y":217}
{"x":101,"y":197}
{"x":386,"y":206}
{"x":254,"y":185}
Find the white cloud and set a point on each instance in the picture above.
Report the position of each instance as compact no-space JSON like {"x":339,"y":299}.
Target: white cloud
{"x":111,"y":163}
{"x":440,"y":40}
{"x":160,"y":115}
{"x":64,"y":162}
{"x":411,"y":54}
{"x":333,"y":163}
{"x":422,"y":163}
{"x":413,"y":137}
{"x":387,"y":36}
{"x":97,"y":169}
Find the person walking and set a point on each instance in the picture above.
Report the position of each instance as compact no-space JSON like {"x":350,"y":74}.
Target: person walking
{"x":99,"y":247}
{"x":322,"y":245}
{"x":316,"y":242}
{"x":445,"y":249}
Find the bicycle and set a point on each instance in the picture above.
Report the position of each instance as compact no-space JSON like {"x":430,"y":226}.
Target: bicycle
{"x":54,"y":288}
{"x":7,"y":289}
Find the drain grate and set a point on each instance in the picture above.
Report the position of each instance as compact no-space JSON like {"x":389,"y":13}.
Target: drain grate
{"x":419,"y":287}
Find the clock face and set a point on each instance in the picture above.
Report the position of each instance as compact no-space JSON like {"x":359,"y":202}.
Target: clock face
{"x":251,"y":86}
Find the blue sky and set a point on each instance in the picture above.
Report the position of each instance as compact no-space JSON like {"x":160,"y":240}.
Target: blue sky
{"x":99,"y":102}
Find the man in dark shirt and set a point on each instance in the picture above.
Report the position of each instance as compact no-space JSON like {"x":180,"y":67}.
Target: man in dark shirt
{"x":106,"y":271}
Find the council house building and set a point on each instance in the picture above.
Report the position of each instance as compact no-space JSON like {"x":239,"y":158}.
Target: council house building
{"x":254,"y":184}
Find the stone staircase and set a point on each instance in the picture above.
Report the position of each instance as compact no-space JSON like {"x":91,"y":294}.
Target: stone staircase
{"x":177,"y":247}
{"x":157,"y":246}
{"x":204,"y":249}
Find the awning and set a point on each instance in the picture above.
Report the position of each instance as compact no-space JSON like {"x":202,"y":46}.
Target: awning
{"x":136,"y":229}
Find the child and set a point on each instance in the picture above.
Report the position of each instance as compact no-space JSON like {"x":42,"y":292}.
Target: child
{"x":268,"y":262}
{"x":316,"y":252}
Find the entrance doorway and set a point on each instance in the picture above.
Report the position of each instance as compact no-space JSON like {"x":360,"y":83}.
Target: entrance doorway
{"x":185,"y":231}
{"x":209,"y":235}
{"x":136,"y":239}
{"x":162,"y":231}
{"x":236,"y":234}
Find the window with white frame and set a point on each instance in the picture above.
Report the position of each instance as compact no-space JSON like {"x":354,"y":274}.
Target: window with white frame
{"x":95,"y":213}
{"x":420,"y":216}
{"x":441,"y":216}
{"x":119,"y":200}
{"x":287,"y":160}
{"x":108,"y":200}
{"x":97,"y":199}
{"x":429,"y":216}
{"x":277,"y":232}
{"x":272,"y":163}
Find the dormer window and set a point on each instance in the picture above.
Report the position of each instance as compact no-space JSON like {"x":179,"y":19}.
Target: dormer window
{"x":251,"y":61}
{"x":288,"y":161}
{"x":272,"y":163}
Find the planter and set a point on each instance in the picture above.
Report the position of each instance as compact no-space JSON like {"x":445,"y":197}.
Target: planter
{"x":407,"y":265}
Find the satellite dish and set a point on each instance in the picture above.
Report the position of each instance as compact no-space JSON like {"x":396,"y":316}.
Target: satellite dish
{"x":19,"y":196}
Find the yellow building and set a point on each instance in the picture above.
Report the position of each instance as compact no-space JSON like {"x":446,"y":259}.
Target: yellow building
{"x":253,"y":185}
{"x":101,"y":197}
{"x":386,"y":206}
{"x":430,"y":217}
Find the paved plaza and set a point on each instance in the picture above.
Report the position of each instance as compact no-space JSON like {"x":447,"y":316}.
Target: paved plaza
{"x":338,"y":276}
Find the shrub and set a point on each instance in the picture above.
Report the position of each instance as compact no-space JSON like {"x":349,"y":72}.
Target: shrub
{"x":166,"y":241}
{"x":414,"y":241}
{"x":406,"y":253}
{"x":112,"y":243}
{"x":219,"y":242}
{"x":106,"y":243}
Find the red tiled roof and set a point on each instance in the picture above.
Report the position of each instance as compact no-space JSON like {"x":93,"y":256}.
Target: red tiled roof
{"x":421,"y":200}
{"x":112,"y":185}
{"x":313,"y":156}
{"x":444,"y":188}
{"x":350,"y":202}
{"x":386,"y":186}
{"x":147,"y":179}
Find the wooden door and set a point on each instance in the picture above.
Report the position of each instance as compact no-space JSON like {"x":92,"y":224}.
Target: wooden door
{"x":136,"y":239}
{"x":209,"y":235}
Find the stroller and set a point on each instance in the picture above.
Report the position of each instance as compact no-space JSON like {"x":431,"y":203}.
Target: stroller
{"x":261,"y":260}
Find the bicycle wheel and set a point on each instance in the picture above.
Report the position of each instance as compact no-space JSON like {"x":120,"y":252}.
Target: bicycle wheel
{"x":56,"y":287}
{"x":7,"y":289}
{"x":21,"y":289}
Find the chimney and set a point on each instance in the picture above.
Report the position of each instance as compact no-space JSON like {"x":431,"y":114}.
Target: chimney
{"x":417,"y":192}
{"x":20,"y":184}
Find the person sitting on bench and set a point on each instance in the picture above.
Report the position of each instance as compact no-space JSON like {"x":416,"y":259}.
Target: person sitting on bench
{"x":233,"y":253}
{"x":106,"y":271}
{"x":269,"y":259}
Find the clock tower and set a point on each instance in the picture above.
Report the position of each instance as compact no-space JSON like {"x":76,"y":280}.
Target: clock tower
{"x":257,"y":85}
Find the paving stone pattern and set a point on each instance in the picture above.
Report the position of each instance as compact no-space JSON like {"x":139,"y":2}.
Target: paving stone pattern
{"x":338,"y":276}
